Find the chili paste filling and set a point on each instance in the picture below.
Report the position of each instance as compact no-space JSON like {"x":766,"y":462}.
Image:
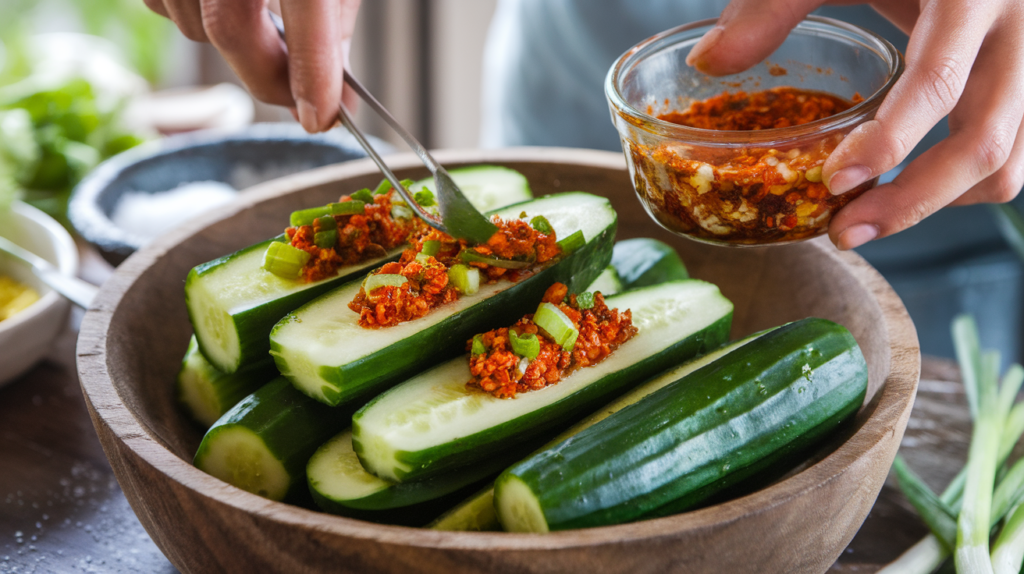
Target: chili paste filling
{"x":501,"y":365}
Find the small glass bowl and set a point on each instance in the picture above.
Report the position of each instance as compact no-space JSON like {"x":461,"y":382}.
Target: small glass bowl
{"x":745,"y":187}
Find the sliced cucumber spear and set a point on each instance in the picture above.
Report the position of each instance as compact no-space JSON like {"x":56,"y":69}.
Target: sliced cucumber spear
{"x":477,"y":512}
{"x":206,"y":393}
{"x":433,"y":423}
{"x":340,"y":485}
{"x":262,"y":445}
{"x":324,"y":352}
{"x":780,"y":394}
{"x":233,"y":302}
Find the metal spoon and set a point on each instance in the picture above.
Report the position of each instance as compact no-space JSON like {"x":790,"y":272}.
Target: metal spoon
{"x":75,"y":290}
{"x":458,"y":216}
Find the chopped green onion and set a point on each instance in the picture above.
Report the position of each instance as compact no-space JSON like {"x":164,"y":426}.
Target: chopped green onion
{"x":306,"y":216}
{"x":383,"y":187}
{"x":326,"y":238}
{"x":422,"y":257}
{"x":541,"y":224}
{"x":526,"y":346}
{"x":347,"y":207}
{"x":376,"y":281}
{"x":325,"y":223}
{"x":406,"y":183}
{"x":466,"y":279}
{"x":364,"y":195}
{"x":431,"y":247}
{"x":556,"y":325}
{"x":572,"y":243}
{"x":400,"y":212}
{"x":968,"y":354}
{"x":478,"y":345}
{"x":471,"y":256}
{"x":585,"y":300}
{"x":424,"y":197}
{"x":522,"y":215}
{"x":285,"y":261}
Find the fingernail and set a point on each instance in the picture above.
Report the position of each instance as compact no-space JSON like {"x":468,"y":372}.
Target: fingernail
{"x":711,"y":37}
{"x":856,"y":235}
{"x":307,"y":115}
{"x":848,"y":178}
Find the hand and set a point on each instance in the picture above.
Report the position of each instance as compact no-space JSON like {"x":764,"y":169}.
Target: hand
{"x":965,"y":59}
{"x":304,"y":75}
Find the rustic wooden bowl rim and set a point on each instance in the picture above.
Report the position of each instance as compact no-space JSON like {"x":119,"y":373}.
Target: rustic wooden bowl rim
{"x":893,"y":399}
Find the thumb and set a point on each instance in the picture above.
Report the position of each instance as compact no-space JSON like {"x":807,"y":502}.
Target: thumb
{"x":746,"y":33}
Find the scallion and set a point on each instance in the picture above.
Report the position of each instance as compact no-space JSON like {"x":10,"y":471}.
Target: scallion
{"x":526,"y":346}
{"x":285,"y":261}
{"x":939,"y":517}
{"x":585,"y":300}
{"x":364,"y":195}
{"x":376,"y":281}
{"x":478,"y":345}
{"x":466,"y":279}
{"x":425,"y":198}
{"x":353,"y":207}
{"x":472,"y":256}
{"x":431,"y":247}
{"x":556,"y":325}
{"x":325,"y":223}
{"x":326,"y":238}
{"x":541,"y":224}
{"x":383,"y":187}
{"x":572,"y":243}
{"x":306,"y":216}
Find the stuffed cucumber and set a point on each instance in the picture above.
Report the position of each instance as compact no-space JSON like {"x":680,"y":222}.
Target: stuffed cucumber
{"x":433,"y":423}
{"x":778,"y":395}
{"x":326,"y":353}
{"x":233,"y":301}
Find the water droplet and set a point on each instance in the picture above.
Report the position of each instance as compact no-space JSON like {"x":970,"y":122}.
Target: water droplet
{"x":726,"y":467}
{"x":18,"y":534}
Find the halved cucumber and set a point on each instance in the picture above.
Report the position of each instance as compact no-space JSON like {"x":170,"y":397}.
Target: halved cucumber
{"x":607,"y":283}
{"x":488,"y":187}
{"x":643,"y":261}
{"x":477,"y":513}
{"x":432,"y":422}
{"x":233,"y":302}
{"x":739,"y":416}
{"x":340,"y":485}
{"x":206,"y":393}
{"x":263,"y":443}
{"x":324,"y":352}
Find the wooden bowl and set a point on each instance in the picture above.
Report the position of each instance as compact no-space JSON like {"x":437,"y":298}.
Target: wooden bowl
{"x":135,"y":335}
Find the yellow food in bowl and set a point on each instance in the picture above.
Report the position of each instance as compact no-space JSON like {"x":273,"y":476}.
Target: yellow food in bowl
{"x":15,"y":297}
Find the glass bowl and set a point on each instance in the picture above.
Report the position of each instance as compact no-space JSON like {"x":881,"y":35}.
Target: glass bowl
{"x":745,"y":187}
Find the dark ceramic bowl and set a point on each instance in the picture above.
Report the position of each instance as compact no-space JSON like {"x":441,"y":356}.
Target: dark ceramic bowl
{"x":241,"y":159}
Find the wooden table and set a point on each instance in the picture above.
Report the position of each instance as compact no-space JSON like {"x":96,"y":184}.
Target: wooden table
{"x":62,"y":511}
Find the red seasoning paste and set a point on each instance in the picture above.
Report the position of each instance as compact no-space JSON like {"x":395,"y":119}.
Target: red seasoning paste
{"x":427,"y":283}
{"x":740,"y":194}
{"x":500,"y":371}
{"x":360,"y":237}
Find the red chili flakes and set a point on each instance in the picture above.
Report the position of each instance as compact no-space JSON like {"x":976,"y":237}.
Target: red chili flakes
{"x":601,"y":331}
{"x":774,"y":108}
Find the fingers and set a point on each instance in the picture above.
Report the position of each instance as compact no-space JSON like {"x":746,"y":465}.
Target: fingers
{"x":984,"y":154}
{"x":319,"y":36}
{"x":747,"y":32}
{"x":188,"y":17}
{"x":940,"y":55}
{"x":243,"y":33}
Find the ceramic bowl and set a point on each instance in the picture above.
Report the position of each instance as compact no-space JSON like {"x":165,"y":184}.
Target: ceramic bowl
{"x":239,"y":158}
{"x":133,"y":339}
{"x":25,"y":338}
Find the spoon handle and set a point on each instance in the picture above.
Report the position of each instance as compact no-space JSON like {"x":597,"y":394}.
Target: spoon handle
{"x":75,"y":290}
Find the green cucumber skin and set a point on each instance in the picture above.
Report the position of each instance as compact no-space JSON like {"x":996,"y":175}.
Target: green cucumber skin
{"x":230,"y":387}
{"x":755,"y":388}
{"x":418,"y":503}
{"x":447,"y":339}
{"x":557,"y":416}
{"x":254,"y":325}
{"x":643,"y":261}
{"x":291,"y":425}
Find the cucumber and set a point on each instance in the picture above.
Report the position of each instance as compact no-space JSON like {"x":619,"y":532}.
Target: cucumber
{"x":206,"y":393}
{"x":233,"y":302}
{"x":643,"y":261}
{"x":340,"y":485}
{"x":776,"y":396}
{"x":477,"y":513}
{"x":263,"y":443}
{"x":324,"y":352}
{"x":433,"y":423}
{"x":488,"y":187}
{"x":607,"y":283}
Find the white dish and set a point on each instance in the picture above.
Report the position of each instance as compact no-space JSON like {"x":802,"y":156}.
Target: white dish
{"x":26,"y":337}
